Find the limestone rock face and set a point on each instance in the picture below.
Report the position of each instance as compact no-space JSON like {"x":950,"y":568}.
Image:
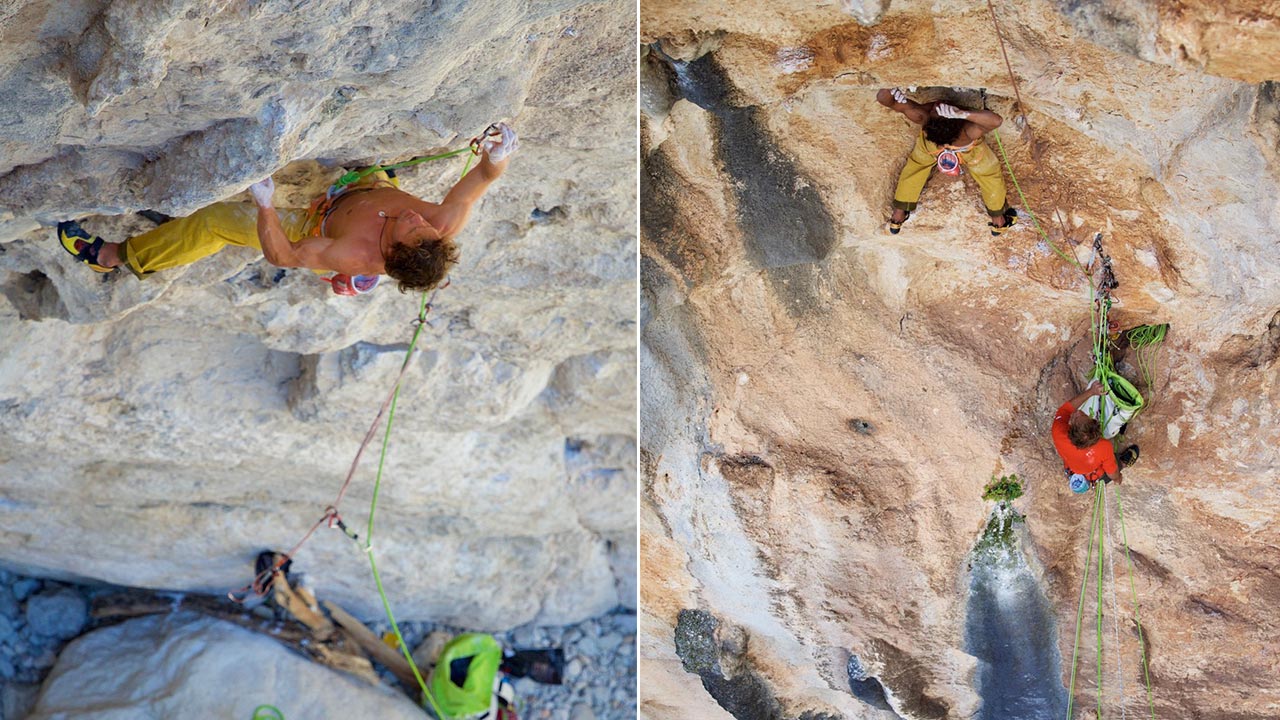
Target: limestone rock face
{"x":160,"y":433}
{"x":188,"y":665}
{"x":823,"y":401}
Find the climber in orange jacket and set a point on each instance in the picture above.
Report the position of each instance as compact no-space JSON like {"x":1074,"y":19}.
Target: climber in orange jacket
{"x":1086,"y":456}
{"x":950,"y":137}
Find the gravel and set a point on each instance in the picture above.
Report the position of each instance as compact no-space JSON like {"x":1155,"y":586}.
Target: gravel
{"x":60,"y":613}
{"x":37,"y":618}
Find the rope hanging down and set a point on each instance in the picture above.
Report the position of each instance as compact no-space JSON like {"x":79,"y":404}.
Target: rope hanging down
{"x":1005,"y":157}
{"x":1094,"y":561}
{"x":260,"y":583}
{"x":1143,"y":341}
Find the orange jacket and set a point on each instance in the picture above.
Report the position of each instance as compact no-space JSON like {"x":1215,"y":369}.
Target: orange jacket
{"x":1092,"y":462}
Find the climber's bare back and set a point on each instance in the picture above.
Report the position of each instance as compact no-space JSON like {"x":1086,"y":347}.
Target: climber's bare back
{"x":363,"y":223}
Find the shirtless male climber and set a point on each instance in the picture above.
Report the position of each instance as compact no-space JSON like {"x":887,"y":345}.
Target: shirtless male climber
{"x":951,"y":137}
{"x":368,"y":229}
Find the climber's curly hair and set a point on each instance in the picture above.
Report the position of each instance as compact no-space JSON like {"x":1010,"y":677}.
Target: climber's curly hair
{"x":421,"y":266}
{"x":943,"y":131}
{"x":1083,"y":431}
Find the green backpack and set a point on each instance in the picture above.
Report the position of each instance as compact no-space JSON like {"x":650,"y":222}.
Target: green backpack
{"x":463,"y":679}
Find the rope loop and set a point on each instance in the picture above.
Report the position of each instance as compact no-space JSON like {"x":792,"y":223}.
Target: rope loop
{"x":267,"y":712}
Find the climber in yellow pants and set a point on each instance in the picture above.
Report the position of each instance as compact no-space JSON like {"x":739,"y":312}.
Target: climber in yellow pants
{"x":204,"y":232}
{"x":366,"y":230}
{"x":950,"y":138}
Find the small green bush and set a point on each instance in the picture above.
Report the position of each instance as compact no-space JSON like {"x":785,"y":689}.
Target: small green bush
{"x":1004,"y":489}
{"x":999,"y":530}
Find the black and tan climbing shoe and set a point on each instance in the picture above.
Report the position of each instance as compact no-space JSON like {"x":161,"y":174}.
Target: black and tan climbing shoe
{"x":1010,"y":219}
{"x":896,"y":225}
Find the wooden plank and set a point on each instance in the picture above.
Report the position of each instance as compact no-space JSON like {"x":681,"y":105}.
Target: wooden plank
{"x":372,"y":644}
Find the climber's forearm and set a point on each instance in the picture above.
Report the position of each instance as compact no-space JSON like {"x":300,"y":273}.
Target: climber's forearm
{"x":276,"y":247}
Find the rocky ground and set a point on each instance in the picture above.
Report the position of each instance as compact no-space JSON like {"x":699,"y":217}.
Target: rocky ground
{"x":39,"y":617}
{"x":599,"y":674}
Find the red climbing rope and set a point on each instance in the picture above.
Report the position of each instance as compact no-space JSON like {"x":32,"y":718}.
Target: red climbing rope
{"x":259,"y":585}
{"x":1022,"y":111}
{"x":1005,"y":53}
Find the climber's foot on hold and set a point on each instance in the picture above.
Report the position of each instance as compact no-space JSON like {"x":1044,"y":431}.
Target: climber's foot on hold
{"x":896,"y":219}
{"x":1000,"y":223}
{"x":88,"y":249}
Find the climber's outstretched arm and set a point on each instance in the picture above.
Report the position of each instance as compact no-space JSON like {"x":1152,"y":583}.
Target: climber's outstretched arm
{"x":985,"y":120}
{"x":896,"y":100}
{"x":454,"y":211}
{"x":981,"y":122}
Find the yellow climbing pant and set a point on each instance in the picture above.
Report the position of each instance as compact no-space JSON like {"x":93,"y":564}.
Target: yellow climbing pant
{"x":204,"y":232}
{"x":978,"y":161}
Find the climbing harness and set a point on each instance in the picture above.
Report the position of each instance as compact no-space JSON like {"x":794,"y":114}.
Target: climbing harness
{"x":262,"y":581}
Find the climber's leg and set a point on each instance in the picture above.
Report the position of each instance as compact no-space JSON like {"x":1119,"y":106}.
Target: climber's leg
{"x":911,"y":180}
{"x":984,"y":167}
{"x":204,"y":232}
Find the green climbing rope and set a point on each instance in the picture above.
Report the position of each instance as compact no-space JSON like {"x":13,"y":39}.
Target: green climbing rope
{"x":357,"y":175}
{"x":424,"y":307}
{"x":1027,"y":207}
{"x":1137,"y":618}
{"x":1097,"y":580}
{"x":1084,"y":583}
{"x":267,"y":712}
{"x":1144,"y":339}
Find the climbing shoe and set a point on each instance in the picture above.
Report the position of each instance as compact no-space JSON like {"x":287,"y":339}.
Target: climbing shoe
{"x":1128,"y":456}
{"x":82,"y":246}
{"x":894,"y":227}
{"x":1010,"y":219}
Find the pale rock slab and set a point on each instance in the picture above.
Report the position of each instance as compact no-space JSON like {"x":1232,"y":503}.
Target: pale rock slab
{"x":191,"y":666}
{"x":161,"y":433}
